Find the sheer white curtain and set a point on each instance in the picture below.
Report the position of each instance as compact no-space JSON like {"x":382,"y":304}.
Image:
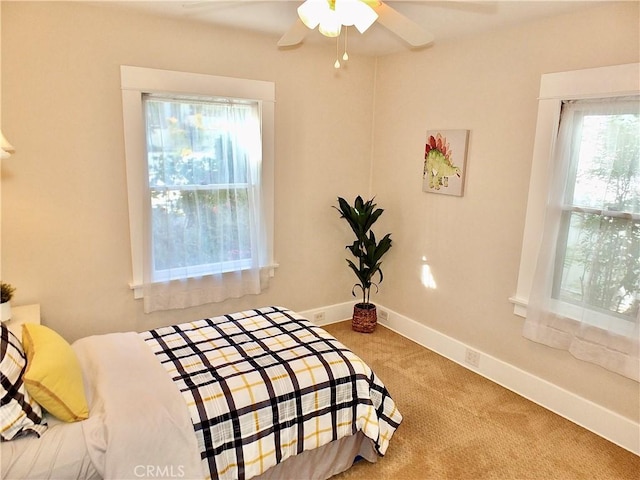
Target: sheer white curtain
{"x":586,"y":289}
{"x":205,"y":233}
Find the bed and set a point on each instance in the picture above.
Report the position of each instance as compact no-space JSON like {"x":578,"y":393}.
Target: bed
{"x":261,"y":394}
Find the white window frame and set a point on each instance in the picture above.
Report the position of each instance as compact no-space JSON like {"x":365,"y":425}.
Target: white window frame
{"x":613,"y":81}
{"x":137,"y":81}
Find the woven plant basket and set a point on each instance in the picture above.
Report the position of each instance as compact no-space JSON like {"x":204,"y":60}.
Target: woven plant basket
{"x":364,"y":318}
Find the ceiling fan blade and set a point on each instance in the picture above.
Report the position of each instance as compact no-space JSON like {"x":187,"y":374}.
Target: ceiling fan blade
{"x":408,"y":30}
{"x":294,"y":35}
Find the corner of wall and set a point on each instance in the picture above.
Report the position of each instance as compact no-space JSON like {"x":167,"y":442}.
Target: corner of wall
{"x":373,"y":123}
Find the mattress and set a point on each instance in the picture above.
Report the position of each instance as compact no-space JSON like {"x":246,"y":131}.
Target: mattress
{"x":61,"y":453}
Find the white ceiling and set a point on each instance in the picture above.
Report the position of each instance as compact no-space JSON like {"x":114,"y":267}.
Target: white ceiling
{"x":445,"y":19}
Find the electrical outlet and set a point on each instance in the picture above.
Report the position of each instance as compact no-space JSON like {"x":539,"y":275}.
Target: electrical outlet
{"x":384,"y":315}
{"x":471,"y":357}
{"x":318,"y":317}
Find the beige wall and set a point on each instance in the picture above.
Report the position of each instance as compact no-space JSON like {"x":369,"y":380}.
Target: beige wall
{"x":64,"y":218}
{"x":65,"y":233}
{"x":488,"y":85}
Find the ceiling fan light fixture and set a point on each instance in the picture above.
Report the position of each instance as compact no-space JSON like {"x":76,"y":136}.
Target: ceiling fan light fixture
{"x":330,"y":26}
{"x":330,"y":15}
{"x":312,"y":12}
{"x":356,"y":13}
{"x":320,"y":12}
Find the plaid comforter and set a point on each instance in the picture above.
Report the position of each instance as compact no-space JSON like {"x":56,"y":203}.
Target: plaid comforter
{"x":266,"y":384}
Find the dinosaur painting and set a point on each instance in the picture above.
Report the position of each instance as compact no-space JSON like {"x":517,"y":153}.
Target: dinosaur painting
{"x":438,"y":161}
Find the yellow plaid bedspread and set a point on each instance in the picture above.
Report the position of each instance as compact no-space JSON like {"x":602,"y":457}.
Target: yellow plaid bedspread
{"x":265,"y":384}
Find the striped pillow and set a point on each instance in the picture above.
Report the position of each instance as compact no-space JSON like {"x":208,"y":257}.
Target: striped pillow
{"x":19,"y":413}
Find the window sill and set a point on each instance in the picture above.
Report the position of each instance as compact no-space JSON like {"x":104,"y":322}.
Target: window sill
{"x":573,"y":313}
{"x":138,"y":288}
{"x":519,"y":306}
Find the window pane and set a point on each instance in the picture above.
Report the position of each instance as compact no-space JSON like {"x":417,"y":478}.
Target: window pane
{"x":195,"y":143}
{"x":199,"y":227}
{"x":602,"y":263}
{"x":608,"y":167}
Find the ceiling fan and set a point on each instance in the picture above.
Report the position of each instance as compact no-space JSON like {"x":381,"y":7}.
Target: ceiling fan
{"x":361,"y":13}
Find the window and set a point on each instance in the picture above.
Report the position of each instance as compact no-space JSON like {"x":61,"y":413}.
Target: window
{"x":199,"y":154}
{"x":604,"y":82}
{"x":578,"y":285}
{"x":598,"y":247}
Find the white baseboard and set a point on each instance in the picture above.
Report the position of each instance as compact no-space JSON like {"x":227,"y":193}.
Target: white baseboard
{"x":603,"y":422}
{"x":331,"y":314}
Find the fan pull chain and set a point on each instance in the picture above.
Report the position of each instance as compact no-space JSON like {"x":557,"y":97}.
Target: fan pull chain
{"x":345,"y":57}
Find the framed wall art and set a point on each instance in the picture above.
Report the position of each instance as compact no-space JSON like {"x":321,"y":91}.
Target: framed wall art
{"x":445,"y":162}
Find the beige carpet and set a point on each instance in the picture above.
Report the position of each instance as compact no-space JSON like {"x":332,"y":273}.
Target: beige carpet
{"x":459,"y":425}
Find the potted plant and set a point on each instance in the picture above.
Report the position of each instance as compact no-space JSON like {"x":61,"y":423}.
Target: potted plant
{"x":6,"y":294}
{"x":368,"y":252}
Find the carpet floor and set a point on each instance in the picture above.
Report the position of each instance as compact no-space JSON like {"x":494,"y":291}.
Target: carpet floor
{"x":459,"y":425}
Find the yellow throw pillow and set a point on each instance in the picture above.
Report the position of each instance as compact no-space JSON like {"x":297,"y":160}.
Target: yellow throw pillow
{"x":53,"y":376}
